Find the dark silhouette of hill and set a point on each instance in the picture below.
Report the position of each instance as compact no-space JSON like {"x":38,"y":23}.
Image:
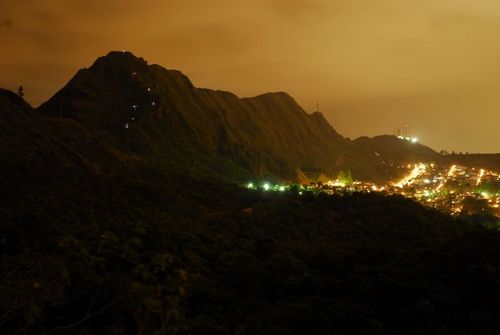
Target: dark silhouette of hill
{"x":125,"y":110}
{"x":396,"y":151}
{"x":145,"y":253}
{"x":149,"y":111}
{"x":28,"y":136}
{"x":490,"y":161}
{"x":26,"y":140}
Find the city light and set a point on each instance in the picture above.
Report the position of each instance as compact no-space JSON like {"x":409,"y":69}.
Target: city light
{"x":450,"y":189}
{"x":336,"y":183}
{"x":418,"y":170}
{"x":440,"y":187}
{"x":451,"y":173}
{"x":409,"y":139}
{"x":480,"y":177}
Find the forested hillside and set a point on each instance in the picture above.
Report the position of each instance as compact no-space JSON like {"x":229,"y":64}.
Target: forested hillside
{"x":143,"y":253}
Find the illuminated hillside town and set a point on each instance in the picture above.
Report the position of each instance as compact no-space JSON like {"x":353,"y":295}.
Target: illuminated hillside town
{"x":453,"y":189}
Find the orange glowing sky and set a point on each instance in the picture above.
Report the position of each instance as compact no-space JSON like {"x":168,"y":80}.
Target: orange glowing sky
{"x":373,"y":65}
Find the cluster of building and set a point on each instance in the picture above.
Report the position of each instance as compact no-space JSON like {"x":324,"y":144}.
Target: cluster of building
{"x":454,"y":189}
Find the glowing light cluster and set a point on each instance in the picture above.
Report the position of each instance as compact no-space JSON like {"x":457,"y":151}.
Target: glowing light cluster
{"x":444,"y":188}
{"x":451,"y":172}
{"x":417,"y":171}
{"x":440,"y":186}
{"x":480,"y":177}
{"x":409,"y":139}
{"x":335,"y":183}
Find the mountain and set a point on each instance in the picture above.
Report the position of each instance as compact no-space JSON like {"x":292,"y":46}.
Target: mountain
{"x":122,"y":111}
{"x":48,"y":165}
{"x":489,"y":161}
{"x":25,"y":138}
{"x":152,"y":112}
{"x":29,"y":138}
{"x":394,"y":150}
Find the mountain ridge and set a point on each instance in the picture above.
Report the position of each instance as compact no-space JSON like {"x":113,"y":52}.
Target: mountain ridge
{"x":137,"y":111}
{"x":269,"y":134}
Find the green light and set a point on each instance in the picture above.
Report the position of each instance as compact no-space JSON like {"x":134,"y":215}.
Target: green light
{"x":266,"y":186}
{"x":250,"y":185}
{"x":282,"y":188}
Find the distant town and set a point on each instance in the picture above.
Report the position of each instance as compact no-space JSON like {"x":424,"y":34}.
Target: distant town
{"x":455,"y":189}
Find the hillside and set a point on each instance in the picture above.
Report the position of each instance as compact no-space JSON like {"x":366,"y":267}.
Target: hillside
{"x":31,"y":137}
{"x":397,"y":151}
{"x":124,"y":110}
{"x":142,"y":253}
{"x":149,"y":111}
{"x":489,"y":161}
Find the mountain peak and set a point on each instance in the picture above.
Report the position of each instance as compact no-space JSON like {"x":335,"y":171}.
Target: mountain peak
{"x":123,"y":65}
{"x":279,"y":94}
{"x":121,"y":56}
{"x":119,"y":61}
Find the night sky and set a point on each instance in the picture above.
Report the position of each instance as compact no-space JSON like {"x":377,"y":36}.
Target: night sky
{"x":373,"y":65}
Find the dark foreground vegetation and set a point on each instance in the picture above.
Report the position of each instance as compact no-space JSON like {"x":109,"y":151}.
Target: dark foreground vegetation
{"x":147,"y":254}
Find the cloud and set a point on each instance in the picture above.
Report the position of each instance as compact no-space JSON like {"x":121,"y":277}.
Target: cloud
{"x":349,"y":54}
{"x":6,"y":23}
{"x":295,"y":8}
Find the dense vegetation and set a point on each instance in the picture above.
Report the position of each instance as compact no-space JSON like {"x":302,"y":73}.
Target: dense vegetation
{"x":144,"y":253}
